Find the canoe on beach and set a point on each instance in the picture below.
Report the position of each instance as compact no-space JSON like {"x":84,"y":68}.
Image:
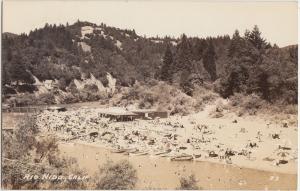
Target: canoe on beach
{"x":182,"y":158}
{"x":124,"y":150}
{"x":163,"y":152}
{"x":138,"y":153}
{"x":118,"y":151}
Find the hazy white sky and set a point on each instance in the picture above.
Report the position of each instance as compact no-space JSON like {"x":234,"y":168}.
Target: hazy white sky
{"x":276,"y":20}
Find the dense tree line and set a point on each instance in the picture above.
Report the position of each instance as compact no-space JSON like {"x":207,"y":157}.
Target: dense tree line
{"x":257,"y":67}
{"x":238,"y":64}
{"x":246,"y":64}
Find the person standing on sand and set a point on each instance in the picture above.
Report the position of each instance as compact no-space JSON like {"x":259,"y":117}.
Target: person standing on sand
{"x":259,"y":134}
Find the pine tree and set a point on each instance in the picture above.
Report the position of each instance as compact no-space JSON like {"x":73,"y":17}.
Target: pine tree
{"x":183,"y":54}
{"x":184,"y":64}
{"x":247,"y":34}
{"x":185,"y":82}
{"x":255,"y":38}
{"x":209,"y":59}
{"x":236,"y":45}
{"x":264,"y":85}
{"x":166,"y":70}
{"x":199,"y":48}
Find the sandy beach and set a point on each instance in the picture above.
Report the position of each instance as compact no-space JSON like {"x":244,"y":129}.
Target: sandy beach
{"x":249,"y":142}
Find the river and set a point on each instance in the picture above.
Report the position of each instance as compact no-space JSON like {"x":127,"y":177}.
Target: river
{"x":161,"y":173}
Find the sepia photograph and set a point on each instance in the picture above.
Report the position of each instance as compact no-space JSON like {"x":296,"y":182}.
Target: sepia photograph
{"x":149,"y":95}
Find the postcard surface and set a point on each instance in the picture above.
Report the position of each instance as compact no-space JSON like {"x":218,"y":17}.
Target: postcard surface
{"x":149,"y":95}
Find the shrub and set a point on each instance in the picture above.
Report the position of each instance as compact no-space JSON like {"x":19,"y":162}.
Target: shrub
{"x":247,"y":104}
{"x":92,"y":88}
{"x":236,"y":99}
{"x":23,"y":140}
{"x":72,"y":88}
{"x":69,"y":98}
{"x":8,"y":90}
{"x":46,"y":98}
{"x":21,"y":100}
{"x":291,"y":109}
{"x":217,"y":112}
{"x":188,"y":183}
{"x":68,"y":166}
{"x":158,"y":95}
{"x":62,"y":84}
{"x":26,"y":88}
{"x":204,"y":95}
{"x":16,"y":148}
{"x":182,"y":103}
{"x":116,"y":176}
{"x":162,"y":96}
{"x":253,"y":102}
{"x":25,"y":152}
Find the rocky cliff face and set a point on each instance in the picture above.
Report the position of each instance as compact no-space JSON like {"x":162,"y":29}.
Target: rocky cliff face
{"x":52,"y":87}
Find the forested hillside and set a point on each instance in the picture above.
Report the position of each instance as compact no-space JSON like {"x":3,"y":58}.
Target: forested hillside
{"x":241,"y":63}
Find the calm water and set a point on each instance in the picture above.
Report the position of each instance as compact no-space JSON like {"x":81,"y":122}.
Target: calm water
{"x":161,"y":173}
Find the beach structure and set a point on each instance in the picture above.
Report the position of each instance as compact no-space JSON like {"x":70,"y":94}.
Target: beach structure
{"x":150,"y":114}
{"x":122,"y":114}
{"x":56,"y":108}
{"x":115,"y":116}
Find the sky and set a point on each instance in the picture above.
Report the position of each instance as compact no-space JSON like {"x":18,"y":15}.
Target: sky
{"x":277,"y":20}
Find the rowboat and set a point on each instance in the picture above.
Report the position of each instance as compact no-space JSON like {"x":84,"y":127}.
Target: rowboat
{"x":138,"y":153}
{"x":167,"y":155}
{"x":124,"y":150}
{"x":134,"y":150}
{"x":118,"y":151}
{"x":182,"y":158}
{"x":163,"y":152}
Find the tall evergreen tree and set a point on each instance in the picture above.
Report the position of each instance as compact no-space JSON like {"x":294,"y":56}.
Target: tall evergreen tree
{"x":199,"y":48}
{"x":185,"y":82}
{"x":256,"y":39}
{"x":209,"y":60}
{"x":183,"y":54}
{"x":236,"y":45}
{"x":166,"y":70}
{"x":264,"y":85}
{"x":184,"y":64}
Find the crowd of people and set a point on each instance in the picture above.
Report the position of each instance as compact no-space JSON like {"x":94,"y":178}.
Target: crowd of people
{"x":171,"y":137}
